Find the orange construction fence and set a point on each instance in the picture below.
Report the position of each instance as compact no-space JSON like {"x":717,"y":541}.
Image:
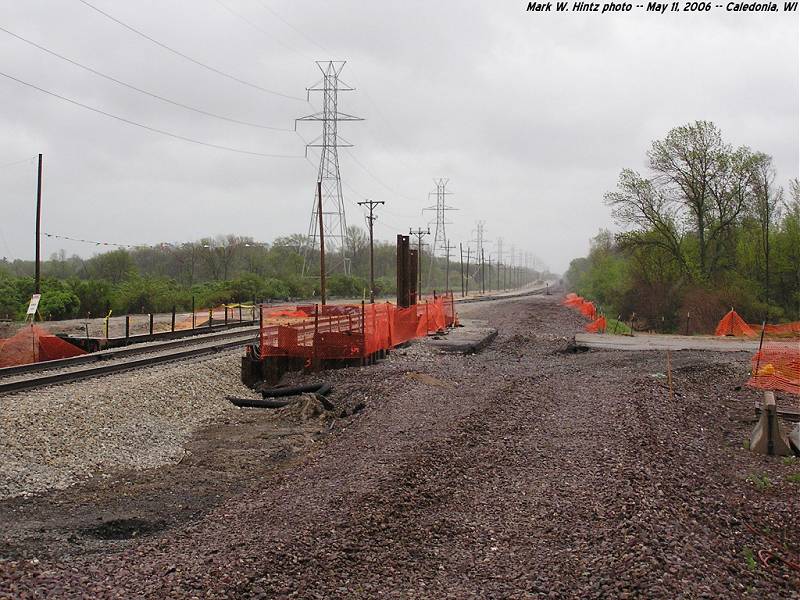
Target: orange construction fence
{"x":355,"y":331}
{"x":733,"y":324}
{"x":585,"y":307}
{"x":777,"y":367}
{"x":32,"y":344}
{"x":597,"y":326}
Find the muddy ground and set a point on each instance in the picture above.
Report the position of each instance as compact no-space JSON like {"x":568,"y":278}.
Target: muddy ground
{"x":523,"y":471}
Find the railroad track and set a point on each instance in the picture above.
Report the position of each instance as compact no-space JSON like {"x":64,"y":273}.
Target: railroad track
{"x":27,"y":377}
{"x":36,"y":375}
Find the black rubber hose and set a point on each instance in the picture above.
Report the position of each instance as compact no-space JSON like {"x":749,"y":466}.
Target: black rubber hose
{"x":319,"y":391}
{"x":252,"y":403}
{"x":285,"y":390}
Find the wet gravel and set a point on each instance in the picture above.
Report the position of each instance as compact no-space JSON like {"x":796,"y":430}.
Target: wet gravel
{"x":524,"y":471}
{"x":56,"y":436}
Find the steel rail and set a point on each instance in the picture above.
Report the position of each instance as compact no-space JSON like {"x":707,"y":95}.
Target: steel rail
{"x":197,"y":349}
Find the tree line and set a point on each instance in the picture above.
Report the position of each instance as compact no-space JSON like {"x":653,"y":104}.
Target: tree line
{"x":209,"y":272}
{"x":707,"y":228}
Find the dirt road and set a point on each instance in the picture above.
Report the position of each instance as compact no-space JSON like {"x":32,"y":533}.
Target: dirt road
{"x":523,"y":471}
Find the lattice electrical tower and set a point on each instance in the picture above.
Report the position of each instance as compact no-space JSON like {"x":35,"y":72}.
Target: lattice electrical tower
{"x":441,"y":208}
{"x":334,"y":223}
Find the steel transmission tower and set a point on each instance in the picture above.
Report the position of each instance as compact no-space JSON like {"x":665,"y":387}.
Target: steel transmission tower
{"x":439,"y":233}
{"x":329,"y":178}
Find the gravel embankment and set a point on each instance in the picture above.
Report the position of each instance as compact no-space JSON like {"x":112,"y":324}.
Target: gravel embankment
{"x":520,"y":472}
{"x":55,"y":436}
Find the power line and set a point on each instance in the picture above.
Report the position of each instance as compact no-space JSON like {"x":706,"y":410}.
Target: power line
{"x":82,"y":241}
{"x":141,"y":125}
{"x":17,"y":162}
{"x":189,"y":58}
{"x":140,"y":90}
{"x":292,"y":27}
{"x":262,"y":31}
{"x":375,"y":177}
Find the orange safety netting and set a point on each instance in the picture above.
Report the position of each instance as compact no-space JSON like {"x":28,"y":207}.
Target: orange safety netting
{"x":788,"y":330}
{"x":777,"y":367}
{"x":733,"y":324}
{"x":352,"y":331}
{"x":585,"y":307}
{"x":33,"y":344}
{"x":597,"y":326}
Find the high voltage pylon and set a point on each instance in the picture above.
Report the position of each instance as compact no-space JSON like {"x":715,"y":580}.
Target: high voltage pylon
{"x":440,"y":234}
{"x":334,"y":222}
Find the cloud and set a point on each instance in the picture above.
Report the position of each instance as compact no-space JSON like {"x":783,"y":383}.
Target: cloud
{"x":531,"y":116}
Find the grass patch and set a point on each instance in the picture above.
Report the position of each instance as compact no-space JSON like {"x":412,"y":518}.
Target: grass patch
{"x":793,"y":478}
{"x":789,"y":460}
{"x":746,"y":444}
{"x":750,"y":559}
{"x":617,"y":327}
{"x":761,"y":482}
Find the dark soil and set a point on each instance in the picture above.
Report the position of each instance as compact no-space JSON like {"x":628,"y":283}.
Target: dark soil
{"x":523,"y":471}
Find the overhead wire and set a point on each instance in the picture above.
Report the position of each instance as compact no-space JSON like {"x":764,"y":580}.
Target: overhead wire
{"x":258,"y":28}
{"x":18,"y":162}
{"x":143,"y":126}
{"x":290,"y":26}
{"x":140,"y":90}
{"x":82,"y":241}
{"x":189,"y":58}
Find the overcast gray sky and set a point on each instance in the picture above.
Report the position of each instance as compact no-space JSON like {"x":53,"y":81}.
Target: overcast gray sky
{"x":530,"y":115}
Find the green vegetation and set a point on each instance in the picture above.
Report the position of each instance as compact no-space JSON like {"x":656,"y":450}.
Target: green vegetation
{"x":761,"y":482}
{"x":706,"y":230}
{"x":226,"y":269}
{"x":793,"y":478}
{"x":750,"y":558}
{"x":617,"y":327}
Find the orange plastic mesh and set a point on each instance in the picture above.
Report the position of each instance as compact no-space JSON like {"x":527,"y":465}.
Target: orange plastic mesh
{"x":33,"y":344}
{"x":597,"y":326}
{"x":585,"y":307}
{"x":352,"y":331}
{"x":777,"y":367}
{"x":782,"y":330}
{"x":733,"y":324}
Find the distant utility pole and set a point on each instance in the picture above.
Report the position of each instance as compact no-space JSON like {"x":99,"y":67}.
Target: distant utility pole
{"x":37,"y":278}
{"x":371,"y":204}
{"x":466,"y":282}
{"x":321,"y":247}
{"x":331,"y":199}
{"x":419,"y":233}
{"x":483,"y":274}
{"x":479,"y":231}
{"x":461,"y":249}
{"x":441,"y":208}
{"x":513,"y":267}
{"x":499,"y":259}
{"x":447,"y":248}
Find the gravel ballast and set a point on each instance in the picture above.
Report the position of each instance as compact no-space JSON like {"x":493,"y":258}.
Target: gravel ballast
{"x":523,"y":471}
{"x":55,"y":436}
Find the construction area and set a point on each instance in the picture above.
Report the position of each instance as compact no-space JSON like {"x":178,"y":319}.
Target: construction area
{"x":305,"y":300}
{"x":512,"y":464}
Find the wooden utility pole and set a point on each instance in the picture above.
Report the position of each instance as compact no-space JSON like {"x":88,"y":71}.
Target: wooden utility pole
{"x":321,"y":245}
{"x":447,"y":248}
{"x":461,"y":249}
{"x":467,"y":280}
{"x":37,"y":277}
{"x":371,"y":204}
{"x":419,"y":233}
{"x":483,"y":272}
